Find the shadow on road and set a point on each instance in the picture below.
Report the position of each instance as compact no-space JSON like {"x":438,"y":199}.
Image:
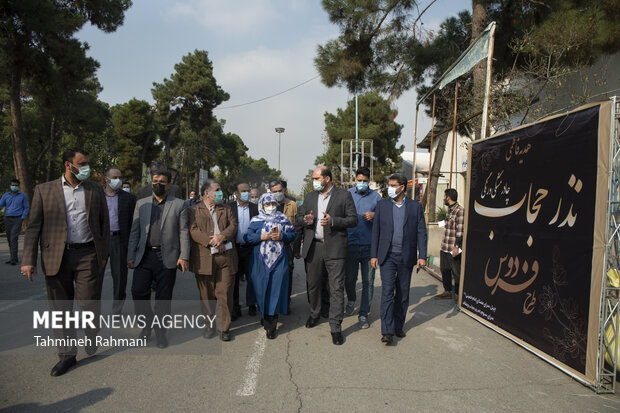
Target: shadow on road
{"x":73,"y":404}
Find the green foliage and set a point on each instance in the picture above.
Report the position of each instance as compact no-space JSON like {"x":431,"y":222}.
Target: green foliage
{"x":441,"y":214}
{"x":256,"y":171}
{"x":375,"y":123}
{"x":382,"y":47}
{"x":133,"y":130}
{"x":45,"y":68}
{"x":188,"y":98}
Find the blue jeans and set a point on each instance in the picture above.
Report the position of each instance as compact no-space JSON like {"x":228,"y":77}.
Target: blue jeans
{"x":359,"y":256}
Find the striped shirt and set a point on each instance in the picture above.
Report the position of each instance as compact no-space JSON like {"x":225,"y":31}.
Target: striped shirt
{"x":453,"y":237}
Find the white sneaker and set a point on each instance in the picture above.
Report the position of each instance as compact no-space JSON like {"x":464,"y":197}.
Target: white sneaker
{"x":363,"y":322}
{"x":350,"y":308}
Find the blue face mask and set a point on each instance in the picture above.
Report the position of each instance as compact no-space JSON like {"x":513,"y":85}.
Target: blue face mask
{"x":219,"y":197}
{"x":83,"y":172}
{"x":361,"y":186}
{"x":14,"y":188}
{"x":244,"y":196}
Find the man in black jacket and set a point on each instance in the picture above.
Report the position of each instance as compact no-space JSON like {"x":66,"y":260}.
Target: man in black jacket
{"x":325,"y":215}
{"x":121,"y":206}
{"x":243,"y":211}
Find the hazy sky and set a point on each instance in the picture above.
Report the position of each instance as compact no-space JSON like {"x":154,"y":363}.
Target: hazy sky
{"x":258,"y":48}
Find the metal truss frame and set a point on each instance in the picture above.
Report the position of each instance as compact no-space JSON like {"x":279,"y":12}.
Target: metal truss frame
{"x":610,"y":305}
{"x":364,"y":155}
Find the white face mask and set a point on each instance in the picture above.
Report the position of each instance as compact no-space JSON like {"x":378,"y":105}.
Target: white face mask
{"x":126,"y":189}
{"x":392,"y":192}
{"x":115,"y":183}
{"x":270,"y":210}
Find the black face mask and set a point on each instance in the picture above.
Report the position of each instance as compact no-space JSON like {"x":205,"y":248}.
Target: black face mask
{"x":446,"y":202}
{"x":159,"y":189}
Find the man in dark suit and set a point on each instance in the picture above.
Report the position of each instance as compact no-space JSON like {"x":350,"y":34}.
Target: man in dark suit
{"x":325,"y":215}
{"x":121,"y":205}
{"x":158,"y":243}
{"x":69,"y":219}
{"x":243,"y":211}
{"x":398,"y":233}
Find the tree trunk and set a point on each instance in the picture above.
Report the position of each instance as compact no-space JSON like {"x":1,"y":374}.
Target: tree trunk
{"x":17,"y":136}
{"x":478,"y":24}
{"x":431,"y":188}
{"x":172,"y":133}
{"x":197,"y":178}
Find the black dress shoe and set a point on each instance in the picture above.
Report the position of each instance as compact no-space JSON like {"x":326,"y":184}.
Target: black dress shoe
{"x":145,"y":333}
{"x":209,"y":332}
{"x":337,"y":338}
{"x":271,"y":334}
{"x":236,"y":313}
{"x":13,"y":262}
{"x":162,"y":341}
{"x":387,"y":339}
{"x":9,"y":262}
{"x":400,"y":333}
{"x":62,"y":366}
{"x":312,"y":322}
{"x":225,"y":335}
{"x":252,"y":310}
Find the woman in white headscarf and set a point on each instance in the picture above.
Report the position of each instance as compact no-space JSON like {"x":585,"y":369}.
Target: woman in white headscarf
{"x":269,"y":231}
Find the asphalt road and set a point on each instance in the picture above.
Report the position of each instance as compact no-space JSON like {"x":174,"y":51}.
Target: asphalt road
{"x":447,"y":362}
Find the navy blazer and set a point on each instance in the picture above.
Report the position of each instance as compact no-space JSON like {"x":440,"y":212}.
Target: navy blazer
{"x":414,"y":234}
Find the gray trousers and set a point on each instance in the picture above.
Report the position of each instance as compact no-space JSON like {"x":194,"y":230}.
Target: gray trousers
{"x":317,"y":266}
{"x":118,"y":268}
{"x":13,"y":226}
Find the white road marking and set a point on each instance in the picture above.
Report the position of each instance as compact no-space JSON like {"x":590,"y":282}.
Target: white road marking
{"x":250,"y":378}
{"x":20,"y":302}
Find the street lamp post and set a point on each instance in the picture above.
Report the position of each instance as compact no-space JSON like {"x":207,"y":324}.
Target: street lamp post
{"x":279,"y":131}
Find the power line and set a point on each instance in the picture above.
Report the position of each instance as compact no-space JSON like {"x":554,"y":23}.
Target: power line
{"x":268,"y":97}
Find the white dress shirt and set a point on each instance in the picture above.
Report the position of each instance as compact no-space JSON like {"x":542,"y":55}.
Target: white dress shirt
{"x":243,"y":216}
{"x":78,"y":231}
{"x":322,"y":207}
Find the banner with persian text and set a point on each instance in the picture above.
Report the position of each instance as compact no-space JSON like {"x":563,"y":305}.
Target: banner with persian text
{"x":531,"y":258}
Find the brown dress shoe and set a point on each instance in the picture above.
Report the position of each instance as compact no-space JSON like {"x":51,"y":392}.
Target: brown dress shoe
{"x":446,"y":295}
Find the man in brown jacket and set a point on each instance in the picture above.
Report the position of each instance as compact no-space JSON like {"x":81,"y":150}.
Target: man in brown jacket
{"x":213,"y":257}
{"x":69,"y":219}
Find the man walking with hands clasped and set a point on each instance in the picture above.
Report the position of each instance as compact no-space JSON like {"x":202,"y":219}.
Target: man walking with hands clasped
{"x":398,"y":234}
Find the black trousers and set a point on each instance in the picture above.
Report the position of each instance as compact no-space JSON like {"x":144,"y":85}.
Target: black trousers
{"x":152,"y":268}
{"x":244,"y":253}
{"x":450,"y":270}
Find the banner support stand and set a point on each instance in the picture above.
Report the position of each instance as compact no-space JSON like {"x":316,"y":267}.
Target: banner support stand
{"x":610,"y":307}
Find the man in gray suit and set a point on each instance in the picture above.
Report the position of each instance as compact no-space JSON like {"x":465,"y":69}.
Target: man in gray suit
{"x":325,"y":215}
{"x":159,"y":242}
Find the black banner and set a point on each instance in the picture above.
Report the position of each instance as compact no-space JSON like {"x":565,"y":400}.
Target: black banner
{"x":530,"y":233}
